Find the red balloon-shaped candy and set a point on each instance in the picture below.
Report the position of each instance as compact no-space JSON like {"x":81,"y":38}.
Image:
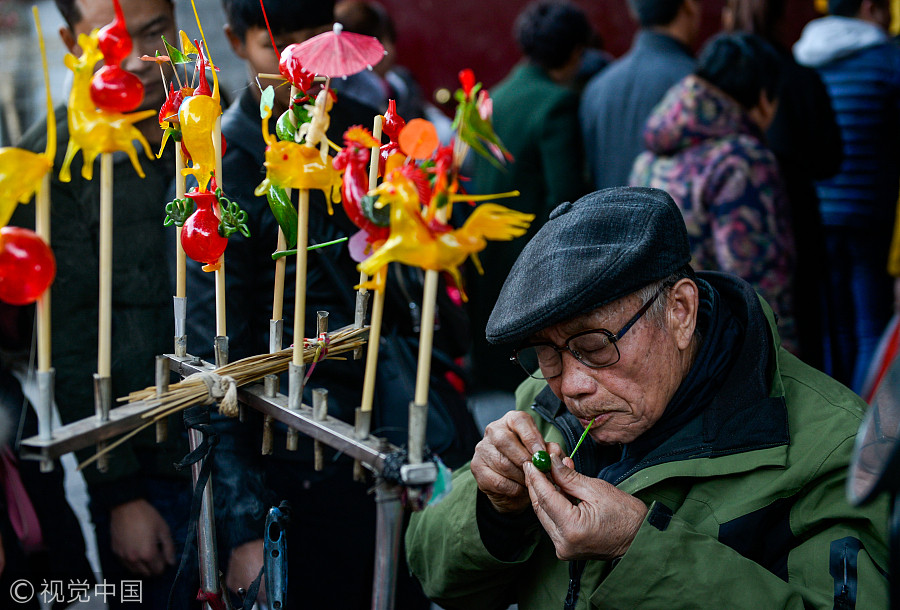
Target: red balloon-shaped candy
{"x":116,"y":90}
{"x":200,"y":235}
{"x":27,"y":266}
{"x":113,"y":39}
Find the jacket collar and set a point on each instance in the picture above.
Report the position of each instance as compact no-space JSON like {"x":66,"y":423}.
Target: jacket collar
{"x":243,"y":131}
{"x":659,"y":43}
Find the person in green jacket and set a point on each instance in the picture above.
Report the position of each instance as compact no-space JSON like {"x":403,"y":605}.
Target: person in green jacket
{"x":535,"y":114}
{"x":713,"y":474}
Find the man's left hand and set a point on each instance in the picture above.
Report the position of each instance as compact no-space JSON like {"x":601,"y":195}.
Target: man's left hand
{"x":600,"y":526}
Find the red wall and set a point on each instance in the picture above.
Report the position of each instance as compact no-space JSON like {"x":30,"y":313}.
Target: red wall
{"x":438,"y":38}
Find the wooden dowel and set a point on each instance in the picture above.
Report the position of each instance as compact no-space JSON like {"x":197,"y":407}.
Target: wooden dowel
{"x":104,"y":324}
{"x":281,"y":263}
{"x":278,"y":293}
{"x":426,"y":337}
{"x":42,"y":228}
{"x":300,"y":286}
{"x":217,"y":146}
{"x":221,"y":330}
{"x":375,"y":159}
{"x":368,"y":393}
{"x":180,"y":257}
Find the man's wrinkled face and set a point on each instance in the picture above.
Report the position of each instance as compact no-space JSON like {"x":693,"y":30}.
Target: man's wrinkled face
{"x":628,"y":398}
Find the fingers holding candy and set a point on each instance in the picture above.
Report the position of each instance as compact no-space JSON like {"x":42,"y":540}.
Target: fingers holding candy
{"x":585,"y":517}
{"x":497,"y":463}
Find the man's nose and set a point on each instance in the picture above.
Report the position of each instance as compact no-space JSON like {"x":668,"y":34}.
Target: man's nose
{"x":140,"y":46}
{"x":575,"y":378}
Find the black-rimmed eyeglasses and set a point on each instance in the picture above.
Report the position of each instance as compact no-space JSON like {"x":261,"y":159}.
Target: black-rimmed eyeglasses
{"x":596,"y":349}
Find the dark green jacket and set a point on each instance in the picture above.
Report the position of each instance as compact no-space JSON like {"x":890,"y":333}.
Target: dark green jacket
{"x":747,"y":509}
{"x":537,"y":120}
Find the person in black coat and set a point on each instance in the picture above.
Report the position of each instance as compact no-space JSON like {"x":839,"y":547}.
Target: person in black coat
{"x":805,"y":138}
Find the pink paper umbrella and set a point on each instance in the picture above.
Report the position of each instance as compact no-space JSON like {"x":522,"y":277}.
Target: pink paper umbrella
{"x":338,"y":53}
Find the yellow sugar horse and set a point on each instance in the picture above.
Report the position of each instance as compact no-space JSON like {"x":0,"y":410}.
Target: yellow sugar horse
{"x":297,"y":166}
{"x":92,"y":130}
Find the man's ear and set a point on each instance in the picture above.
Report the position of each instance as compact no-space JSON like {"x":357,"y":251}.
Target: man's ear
{"x":681,"y":312}
{"x":68,"y":38}
{"x":237,"y":44}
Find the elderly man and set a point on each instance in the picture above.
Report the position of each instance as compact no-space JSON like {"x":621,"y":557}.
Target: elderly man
{"x":713,"y":472}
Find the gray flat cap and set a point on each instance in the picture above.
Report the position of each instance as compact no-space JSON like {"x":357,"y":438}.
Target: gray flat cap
{"x":603,"y":247}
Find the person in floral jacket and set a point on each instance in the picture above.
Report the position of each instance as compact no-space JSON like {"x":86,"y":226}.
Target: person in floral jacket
{"x":705,"y":146}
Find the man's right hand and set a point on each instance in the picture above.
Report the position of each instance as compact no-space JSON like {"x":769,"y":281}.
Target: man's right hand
{"x":497,"y":464}
{"x":141,"y":538}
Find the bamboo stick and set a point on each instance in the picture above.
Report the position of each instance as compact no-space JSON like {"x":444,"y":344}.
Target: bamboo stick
{"x":368,"y":393}
{"x":104,"y":325}
{"x":221,"y":330}
{"x":220,"y":272}
{"x":281,"y":263}
{"x":300,"y":285}
{"x":180,"y":257}
{"x":426,"y":337}
{"x":42,"y":226}
{"x":374,"y":160}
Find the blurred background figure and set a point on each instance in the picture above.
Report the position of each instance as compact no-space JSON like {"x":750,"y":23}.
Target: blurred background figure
{"x":593,"y":60}
{"x":807,"y":144}
{"x":860,"y":66}
{"x":391,"y":80}
{"x":706,"y":148}
{"x":536,"y":117}
{"x":617,"y":101}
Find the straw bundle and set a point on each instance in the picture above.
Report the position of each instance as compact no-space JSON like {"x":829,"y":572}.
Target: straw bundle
{"x":193,"y":390}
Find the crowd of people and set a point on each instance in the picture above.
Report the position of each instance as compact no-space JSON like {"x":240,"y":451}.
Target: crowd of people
{"x":711,"y":268}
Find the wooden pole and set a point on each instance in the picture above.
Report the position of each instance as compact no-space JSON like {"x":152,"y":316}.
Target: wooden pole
{"x":426,"y":337}
{"x":221,"y":330}
{"x":295,"y":371}
{"x":374,"y":160}
{"x":281,"y":263}
{"x":42,"y":227}
{"x":368,"y":393}
{"x":300,"y":285}
{"x":220,"y":272}
{"x":104,"y":325}
{"x":180,"y":257}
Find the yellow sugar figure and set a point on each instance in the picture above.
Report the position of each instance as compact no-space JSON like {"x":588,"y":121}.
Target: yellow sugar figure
{"x":92,"y":130}
{"x":314,"y":131}
{"x":22,"y":171}
{"x":297,"y":166}
{"x":197,"y":116}
{"x":414,"y":242}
